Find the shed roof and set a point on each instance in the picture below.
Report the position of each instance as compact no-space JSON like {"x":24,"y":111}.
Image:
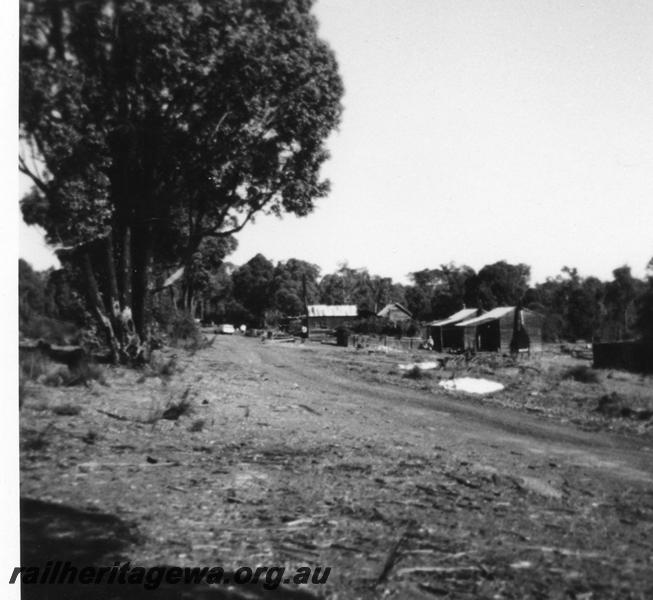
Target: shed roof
{"x":388,"y":308}
{"x":495,"y":313}
{"x":465,"y":313}
{"x":332,"y":310}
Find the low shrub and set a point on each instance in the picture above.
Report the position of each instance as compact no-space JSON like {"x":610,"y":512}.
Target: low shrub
{"x":581,"y":373}
{"x":183,"y":328}
{"x":417,"y":373}
{"x":85,"y":372}
{"x":36,"y":366}
{"x":197,"y":426}
{"x":53,"y":331}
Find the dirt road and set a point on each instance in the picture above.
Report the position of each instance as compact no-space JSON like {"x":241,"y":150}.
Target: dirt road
{"x":315,"y":455}
{"x":458,"y":422}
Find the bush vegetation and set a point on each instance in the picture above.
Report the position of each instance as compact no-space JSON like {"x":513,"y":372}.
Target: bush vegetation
{"x":581,"y":373}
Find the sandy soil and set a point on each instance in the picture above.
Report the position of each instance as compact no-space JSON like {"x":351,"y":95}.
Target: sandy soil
{"x":316,"y":455}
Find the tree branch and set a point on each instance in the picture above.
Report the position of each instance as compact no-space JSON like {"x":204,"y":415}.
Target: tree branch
{"x":23,"y":168}
{"x":257,"y":207}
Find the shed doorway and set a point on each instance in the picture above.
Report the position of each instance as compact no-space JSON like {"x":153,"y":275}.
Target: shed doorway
{"x":488,"y":337}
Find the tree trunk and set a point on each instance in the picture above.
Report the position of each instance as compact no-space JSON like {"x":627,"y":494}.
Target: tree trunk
{"x":125,"y":268}
{"x":95,"y":304}
{"x":141,"y":259}
{"x":113,"y":301}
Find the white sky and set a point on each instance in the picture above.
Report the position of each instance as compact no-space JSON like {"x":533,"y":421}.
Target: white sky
{"x":476,"y":131}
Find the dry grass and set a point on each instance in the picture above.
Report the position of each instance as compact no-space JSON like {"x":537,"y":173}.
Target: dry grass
{"x":36,"y":441}
{"x":86,"y":372}
{"x":581,"y":373}
{"x":173,"y":409}
{"x":35,"y":366}
{"x":161,"y":367}
{"x":66,"y":410}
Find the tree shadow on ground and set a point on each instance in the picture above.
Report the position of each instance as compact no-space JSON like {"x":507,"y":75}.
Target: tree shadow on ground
{"x":56,"y":532}
{"x":53,"y":532}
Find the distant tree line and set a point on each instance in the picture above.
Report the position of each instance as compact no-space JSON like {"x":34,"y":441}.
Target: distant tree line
{"x":260,"y":293}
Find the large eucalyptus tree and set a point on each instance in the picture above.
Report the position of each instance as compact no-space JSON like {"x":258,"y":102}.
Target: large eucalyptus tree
{"x":148,"y":126}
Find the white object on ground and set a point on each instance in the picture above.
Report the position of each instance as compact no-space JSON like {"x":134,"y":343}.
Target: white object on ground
{"x":423,"y":366}
{"x":472,"y":385}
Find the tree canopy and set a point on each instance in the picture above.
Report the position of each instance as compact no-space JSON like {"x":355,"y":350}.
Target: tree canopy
{"x":162,"y":123}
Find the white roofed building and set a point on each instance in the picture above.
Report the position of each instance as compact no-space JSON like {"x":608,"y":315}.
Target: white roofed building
{"x":330,"y":316}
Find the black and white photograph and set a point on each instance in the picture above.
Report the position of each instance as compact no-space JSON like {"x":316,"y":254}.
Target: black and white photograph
{"x":328,"y":299}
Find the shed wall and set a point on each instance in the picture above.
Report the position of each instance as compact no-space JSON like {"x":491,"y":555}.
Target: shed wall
{"x":497,"y":335}
{"x":631,"y":356}
{"x":328,"y":322}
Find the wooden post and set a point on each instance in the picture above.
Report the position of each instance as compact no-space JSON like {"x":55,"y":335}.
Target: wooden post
{"x":305,"y":298}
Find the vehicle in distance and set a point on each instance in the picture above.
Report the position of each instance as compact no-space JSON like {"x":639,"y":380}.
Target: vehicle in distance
{"x":225,"y":328}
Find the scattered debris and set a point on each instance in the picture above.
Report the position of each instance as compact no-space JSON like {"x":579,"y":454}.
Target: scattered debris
{"x":66,"y":410}
{"x":533,"y":484}
{"x":422,"y":366}
{"x":90,"y":437}
{"x":614,"y":405}
{"x":197,"y":426}
{"x":472,"y":385}
{"x":521,"y":564}
{"x":112,"y":415}
{"x":416,"y":373}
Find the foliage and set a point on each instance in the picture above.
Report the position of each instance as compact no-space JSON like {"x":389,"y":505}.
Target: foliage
{"x":199,"y":274}
{"x":252,"y":284}
{"x":438,"y":293}
{"x":620,"y":295}
{"x":581,"y":373}
{"x":375,"y":326}
{"x":370,"y":293}
{"x":293,"y":280}
{"x":644,"y":307}
{"x":183,"y":328}
{"x":159,"y":124}
{"x":47,"y":307}
{"x":500,"y":284}
{"x":586,"y":308}
{"x":32,"y":365}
